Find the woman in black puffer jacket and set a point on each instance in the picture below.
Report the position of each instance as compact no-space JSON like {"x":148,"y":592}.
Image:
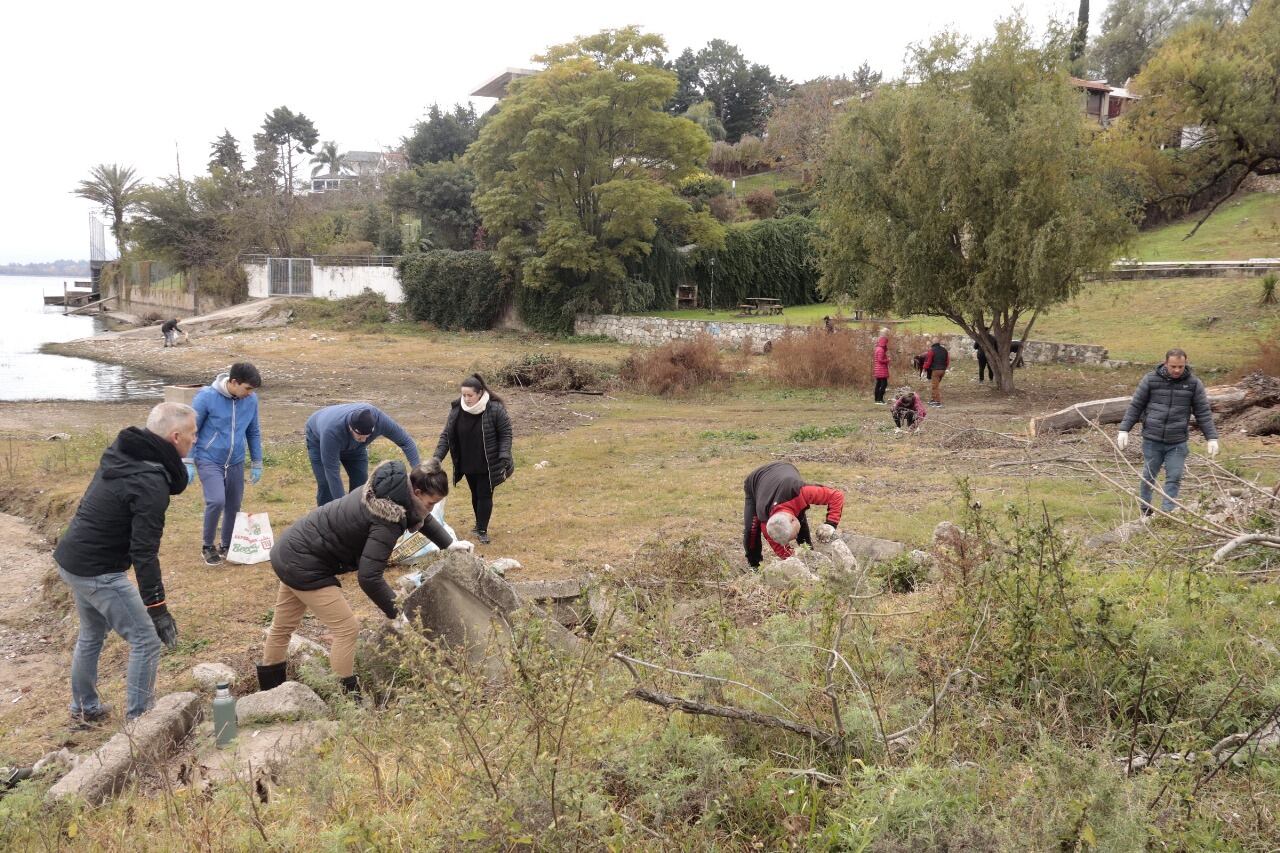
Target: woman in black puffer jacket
{"x":354,"y":533}
{"x":477,"y":437}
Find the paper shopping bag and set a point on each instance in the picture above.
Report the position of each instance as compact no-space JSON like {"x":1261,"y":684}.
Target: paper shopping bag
{"x":251,"y":539}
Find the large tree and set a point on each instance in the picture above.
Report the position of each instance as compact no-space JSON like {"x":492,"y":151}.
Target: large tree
{"x":970,"y":191}
{"x":328,"y":157}
{"x":740,"y":90}
{"x":1133,"y":30}
{"x":440,"y":194}
{"x":117,"y":191}
{"x":577,"y":171}
{"x":226,"y":154}
{"x":291,"y":133}
{"x":801,"y":125}
{"x":1216,"y":90}
{"x":442,"y":136}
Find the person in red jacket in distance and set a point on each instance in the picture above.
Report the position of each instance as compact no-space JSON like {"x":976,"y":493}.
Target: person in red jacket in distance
{"x":774,"y":511}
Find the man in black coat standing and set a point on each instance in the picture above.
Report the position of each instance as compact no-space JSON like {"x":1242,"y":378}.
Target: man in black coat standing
{"x":119,"y":523}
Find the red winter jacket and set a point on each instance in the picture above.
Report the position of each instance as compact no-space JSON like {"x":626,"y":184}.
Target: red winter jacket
{"x":882,"y":358}
{"x":832,"y":499}
{"x":914,"y":404}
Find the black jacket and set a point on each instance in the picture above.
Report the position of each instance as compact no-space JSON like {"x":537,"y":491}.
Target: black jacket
{"x":1165,"y":406}
{"x":120,"y":519}
{"x":764,"y":488}
{"x":357,"y":532}
{"x":495,"y":428}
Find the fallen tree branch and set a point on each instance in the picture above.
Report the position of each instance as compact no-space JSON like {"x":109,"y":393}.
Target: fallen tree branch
{"x":1266,"y":539}
{"x":628,"y":661}
{"x":899,"y":738}
{"x":728,"y":712}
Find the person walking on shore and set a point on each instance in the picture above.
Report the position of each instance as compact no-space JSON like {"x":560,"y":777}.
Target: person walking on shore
{"x":776,"y":499}
{"x":936,"y":362}
{"x":355,"y":533}
{"x":1164,"y":402}
{"x":881,"y":366}
{"x":119,"y":523}
{"x":170,"y":331}
{"x":477,"y":437}
{"x":340,"y":436}
{"x":227,"y":424}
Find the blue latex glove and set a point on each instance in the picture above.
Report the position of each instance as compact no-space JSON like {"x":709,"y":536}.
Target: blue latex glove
{"x":191,"y":473}
{"x":255,"y":474}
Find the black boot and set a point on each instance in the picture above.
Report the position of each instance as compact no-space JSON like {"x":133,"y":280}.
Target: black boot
{"x":351,"y":686}
{"x":271,"y":675}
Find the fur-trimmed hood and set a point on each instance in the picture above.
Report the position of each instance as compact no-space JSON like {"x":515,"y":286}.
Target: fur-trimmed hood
{"x":388,"y":495}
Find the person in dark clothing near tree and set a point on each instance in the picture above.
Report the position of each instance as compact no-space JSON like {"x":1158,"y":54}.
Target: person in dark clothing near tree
{"x":119,"y":523}
{"x":984,"y":369}
{"x":477,"y":437}
{"x":936,"y":362}
{"x":1164,"y":402}
{"x":341,"y":435}
{"x":776,"y":499}
{"x":354,"y":533}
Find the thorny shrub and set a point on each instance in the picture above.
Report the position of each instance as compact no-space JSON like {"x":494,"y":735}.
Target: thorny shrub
{"x":552,"y":372}
{"x":845,"y":357}
{"x":676,"y":367}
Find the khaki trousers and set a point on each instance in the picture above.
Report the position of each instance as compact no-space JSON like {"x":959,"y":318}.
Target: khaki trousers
{"x":330,"y":607}
{"x":935,"y":385}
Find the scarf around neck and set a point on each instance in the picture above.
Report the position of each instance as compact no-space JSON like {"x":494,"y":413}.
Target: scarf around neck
{"x":478,"y":407}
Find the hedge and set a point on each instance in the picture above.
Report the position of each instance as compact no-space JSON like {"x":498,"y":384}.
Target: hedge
{"x":773,"y":258}
{"x":453,"y":290}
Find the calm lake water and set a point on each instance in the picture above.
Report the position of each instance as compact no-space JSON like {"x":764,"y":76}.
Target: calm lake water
{"x":28,"y":374}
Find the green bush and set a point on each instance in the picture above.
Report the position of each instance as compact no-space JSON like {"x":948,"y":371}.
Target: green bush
{"x":772,"y":258}
{"x":366,"y":310}
{"x":453,"y":290}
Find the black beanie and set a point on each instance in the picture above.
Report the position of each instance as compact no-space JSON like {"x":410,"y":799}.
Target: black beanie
{"x":362,"y":421}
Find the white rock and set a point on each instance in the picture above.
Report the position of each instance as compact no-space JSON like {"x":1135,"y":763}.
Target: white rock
{"x":210,"y":675}
{"x":784,"y":573}
{"x":505,"y":565}
{"x":289,"y":701}
{"x":540,"y":465}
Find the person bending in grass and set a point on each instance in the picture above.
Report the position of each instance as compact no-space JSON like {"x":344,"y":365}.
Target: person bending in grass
{"x":774,"y":510}
{"x":908,"y":410}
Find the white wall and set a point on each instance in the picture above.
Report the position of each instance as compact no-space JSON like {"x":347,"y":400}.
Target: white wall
{"x":258,"y":285}
{"x":334,"y":282}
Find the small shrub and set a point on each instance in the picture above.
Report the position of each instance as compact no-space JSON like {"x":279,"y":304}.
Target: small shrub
{"x":818,"y":433}
{"x":845,"y":357}
{"x":903,"y":574}
{"x":762,"y":203}
{"x":366,"y":310}
{"x":676,"y":367}
{"x":349,"y":249}
{"x":1268,"y":286}
{"x":703,"y":186}
{"x":724,"y":208}
{"x":552,"y":372}
{"x":739,"y":435}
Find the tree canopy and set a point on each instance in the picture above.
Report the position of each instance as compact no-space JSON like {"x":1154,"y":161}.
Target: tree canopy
{"x":972,"y":192}
{"x":578,"y":171}
{"x":801,"y":125}
{"x":442,"y":135}
{"x":117,"y":190}
{"x":440,"y":194}
{"x":740,"y":90}
{"x":1133,"y":30}
{"x":291,"y":133}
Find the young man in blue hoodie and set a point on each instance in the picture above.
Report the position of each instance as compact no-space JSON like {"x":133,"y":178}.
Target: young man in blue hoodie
{"x":227,"y":421}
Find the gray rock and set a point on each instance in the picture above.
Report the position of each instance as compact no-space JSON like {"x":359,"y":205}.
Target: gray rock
{"x":839,"y":553}
{"x":548,"y":590}
{"x":261,"y":750}
{"x":304,"y":649}
{"x":289,"y":701}
{"x":149,"y":739}
{"x":872,"y":548}
{"x":504,"y":565}
{"x":792,"y":571}
{"x":210,"y":675}
{"x":947,"y":535}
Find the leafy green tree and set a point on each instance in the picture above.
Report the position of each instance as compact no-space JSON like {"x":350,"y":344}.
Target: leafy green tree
{"x":440,"y":194}
{"x":226,"y":154}
{"x":328,"y":157}
{"x":578,"y":170}
{"x":1218,"y":89}
{"x":801,"y":125}
{"x":291,"y":133}
{"x":443,"y":136}
{"x":1080,"y":36}
{"x":117,"y":191}
{"x":1133,"y":30}
{"x":184,"y":221}
{"x":703,"y":114}
{"x":972,"y":192}
{"x":688,"y":86}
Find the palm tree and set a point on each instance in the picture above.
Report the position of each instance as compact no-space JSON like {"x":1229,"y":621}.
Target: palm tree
{"x":328,"y":156}
{"x":115,"y":188}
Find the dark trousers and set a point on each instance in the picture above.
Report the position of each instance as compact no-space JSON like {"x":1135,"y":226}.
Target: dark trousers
{"x":223,"y":489}
{"x":481,"y":499}
{"x":983,"y":367}
{"x":881,"y":384}
{"x":904,"y":416}
{"x":355,"y":464}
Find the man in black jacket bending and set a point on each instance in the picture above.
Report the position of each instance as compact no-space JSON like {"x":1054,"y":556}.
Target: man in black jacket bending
{"x":119,"y":523}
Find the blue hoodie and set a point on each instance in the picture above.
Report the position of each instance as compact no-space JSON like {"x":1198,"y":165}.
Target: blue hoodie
{"x":224,"y":425}
{"x":328,"y":430}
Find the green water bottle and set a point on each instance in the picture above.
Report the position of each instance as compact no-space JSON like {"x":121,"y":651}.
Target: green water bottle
{"x":224,"y":715}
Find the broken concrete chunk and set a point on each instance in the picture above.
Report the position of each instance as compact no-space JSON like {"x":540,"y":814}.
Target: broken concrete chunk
{"x":262,"y":750}
{"x":872,"y":548}
{"x":781,"y":574}
{"x":149,"y":739}
{"x":289,"y":701}
{"x":210,"y":675}
{"x":504,"y":565}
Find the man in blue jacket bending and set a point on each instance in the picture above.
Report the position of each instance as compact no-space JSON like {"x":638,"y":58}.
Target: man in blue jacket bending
{"x":227,"y":420}
{"x":341,"y":435}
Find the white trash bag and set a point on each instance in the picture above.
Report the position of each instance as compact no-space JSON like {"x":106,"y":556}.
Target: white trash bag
{"x":251,"y":539}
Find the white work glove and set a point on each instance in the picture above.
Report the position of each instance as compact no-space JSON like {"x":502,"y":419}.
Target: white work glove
{"x":461,"y":545}
{"x":826,"y":533}
{"x":398,"y":624}
{"x":1122,"y":440}
{"x":1212,"y":447}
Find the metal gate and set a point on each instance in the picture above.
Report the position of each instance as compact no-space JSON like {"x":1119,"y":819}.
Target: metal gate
{"x":289,"y":276}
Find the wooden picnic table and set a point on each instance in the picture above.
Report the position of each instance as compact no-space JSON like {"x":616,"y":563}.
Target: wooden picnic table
{"x":758,"y":305}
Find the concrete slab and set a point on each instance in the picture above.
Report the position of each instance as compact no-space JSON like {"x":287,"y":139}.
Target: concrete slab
{"x":260,"y":749}
{"x":871,"y":548}
{"x":290,"y":701}
{"x":148,"y":740}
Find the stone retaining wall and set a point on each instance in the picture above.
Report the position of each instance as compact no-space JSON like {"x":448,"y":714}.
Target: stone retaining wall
{"x":652,"y":331}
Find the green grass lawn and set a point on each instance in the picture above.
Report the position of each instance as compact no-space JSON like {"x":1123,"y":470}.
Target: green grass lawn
{"x":776,"y":180}
{"x":1247,"y":226}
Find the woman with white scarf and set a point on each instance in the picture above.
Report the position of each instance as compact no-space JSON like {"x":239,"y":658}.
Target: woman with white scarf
{"x":477,"y":437}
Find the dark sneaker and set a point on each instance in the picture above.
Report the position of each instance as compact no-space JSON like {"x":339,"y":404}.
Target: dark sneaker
{"x":211,"y":555}
{"x":87,"y":720}
{"x":482,"y":537}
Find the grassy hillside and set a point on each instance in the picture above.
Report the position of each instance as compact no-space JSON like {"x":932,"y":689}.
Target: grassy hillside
{"x":776,"y":180}
{"x":1248,"y":226}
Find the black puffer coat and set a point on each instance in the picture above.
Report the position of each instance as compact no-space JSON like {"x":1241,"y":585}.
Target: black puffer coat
{"x":495,"y":429}
{"x":1165,"y":405}
{"x":356,"y":533}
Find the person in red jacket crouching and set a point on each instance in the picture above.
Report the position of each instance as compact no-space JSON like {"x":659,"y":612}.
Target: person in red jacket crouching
{"x":774,"y":511}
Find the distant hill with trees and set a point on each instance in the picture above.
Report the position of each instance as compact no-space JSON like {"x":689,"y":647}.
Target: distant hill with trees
{"x":58,"y":267}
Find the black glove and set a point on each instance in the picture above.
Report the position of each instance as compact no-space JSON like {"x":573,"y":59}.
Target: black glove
{"x":166,"y":628}
{"x":509,"y":466}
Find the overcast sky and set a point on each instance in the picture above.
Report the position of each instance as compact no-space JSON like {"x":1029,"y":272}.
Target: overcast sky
{"x":84,"y":83}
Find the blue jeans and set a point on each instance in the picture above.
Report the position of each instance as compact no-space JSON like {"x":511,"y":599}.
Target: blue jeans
{"x":111,"y":602}
{"x":356,"y":464}
{"x":1173,"y":458}
{"x":223,"y":492}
